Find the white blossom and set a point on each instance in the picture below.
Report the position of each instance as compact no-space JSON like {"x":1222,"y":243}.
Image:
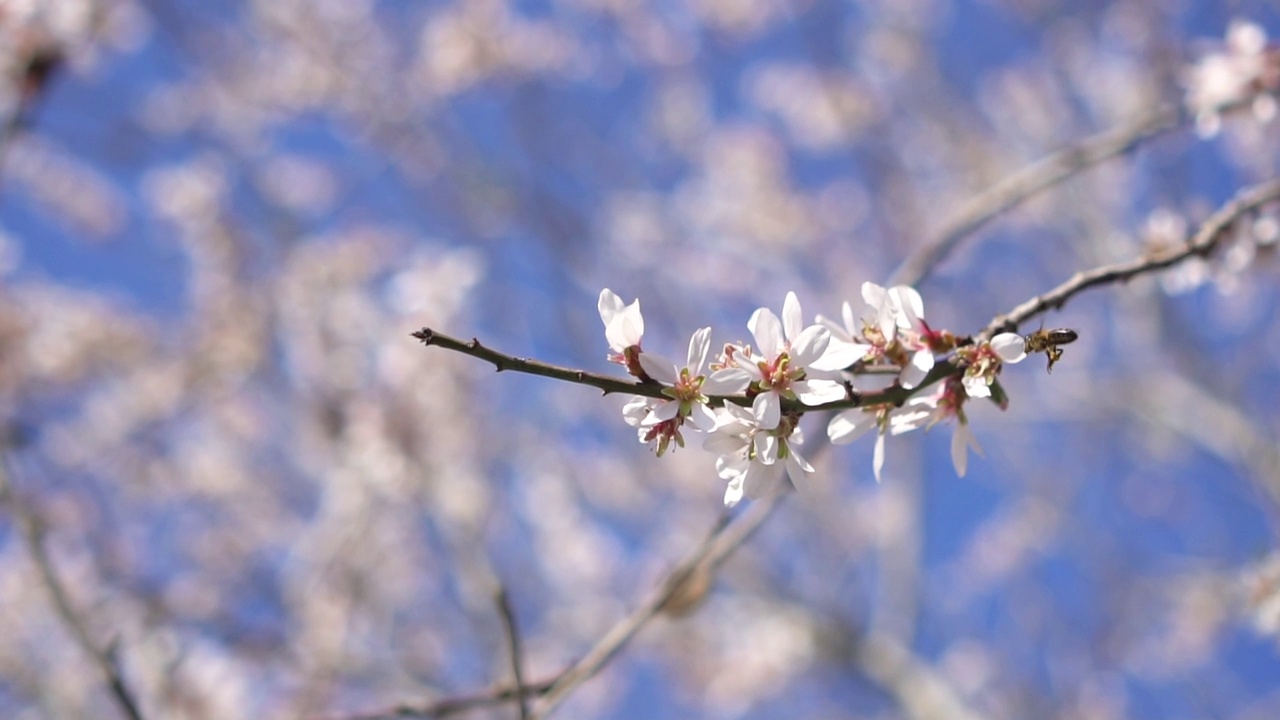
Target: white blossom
{"x":748,"y":453}
{"x":787,"y":351}
{"x":686,"y":394}
{"x":1243,"y":69}
{"x":623,"y":326}
{"x":852,"y":424}
{"x":892,"y":325}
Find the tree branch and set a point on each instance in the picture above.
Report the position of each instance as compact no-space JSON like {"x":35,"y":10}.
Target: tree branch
{"x":893,"y":395}
{"x":33,"y":532}
{"x":1030,"y":181}
{"x":501,"y":362}
{"x":513,"y":647}
{"x":722,"y":540}
{"x":1201,"y":244}
{"x":454,"y":705}
{"x":919,"y":689}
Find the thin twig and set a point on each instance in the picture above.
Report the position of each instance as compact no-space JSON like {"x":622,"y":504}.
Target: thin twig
{"x":33,"y":532}
{"x":721,"y":541}
{"x":453,"y":705}
{"x":718,"y":546}
{"x":1029,"y":181}
{"x":1218,"y":425}
{"x":501,"y":361}
{"x":1201,"y":244}
{"x":920,"y":690}
{"x":513,"y":647}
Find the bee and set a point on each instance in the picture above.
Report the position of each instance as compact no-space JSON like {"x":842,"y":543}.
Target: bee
{"x":1047,"y":342}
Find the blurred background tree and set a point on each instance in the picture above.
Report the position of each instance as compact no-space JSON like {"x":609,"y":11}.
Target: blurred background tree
{"x":236,"y":487}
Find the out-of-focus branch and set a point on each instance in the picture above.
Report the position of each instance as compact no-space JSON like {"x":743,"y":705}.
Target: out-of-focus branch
{"x":723,"y":539}
{"x":1201,"y":244}
{"x":33,"y":532}
{"x":1219,"y":426}
{"x":454,"y":705}
{"x":513,"y":647}
{"x":1028,"y":182}
{"x":918,"y":688}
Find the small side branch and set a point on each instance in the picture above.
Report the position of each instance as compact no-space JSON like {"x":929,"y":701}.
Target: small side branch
{"x":724,"y":539}
{"x":501,"y":361}
{"x":454,"y":705}
{"x":721,"y":541}
{"x":1201,"y":244}
{"x":513,"y":648}
{"x":919,"y":689}
{"x":33,"y":532}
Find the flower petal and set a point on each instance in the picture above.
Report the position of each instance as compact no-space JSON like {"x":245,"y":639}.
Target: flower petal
{"x":850,"y":425}
{"x":767,"y":408}
{"x":733,"y":493}
{"x":840,"y":355}
{"x":916,"y":370}
{"x":759,"y":480}
{"x":908,"y":419}
{"x":960,"y":450}
{"x":809,"y":345}
{"x":873,"y":295}
{"x":625,"y":326}
{"x":837,"y":330}
{"x":976,"y":386}
{"x":633,"y":328}
{"x":730,"y":466}
{"x":850,"y":323}
{"x":817,"y":392}
{"x":659,"y":368}
{"x":636,"y":410}
{"x":798,"y":470}
{"x":1010,"y":347}
{"x":702,"y":417}
{"x":961,"y":440}
{"x":766,"y":448}
{"x":792,"y":318}
{"x":732,"y":412}
{"x":699,"y":345}
{"x":887,"y":320}
{"x":729,"y":381}
{"x":877,"y":458}
{"x":909,"y":305}
{"x":753,"y":371}
{"x":609,"y":305}
{"x":767,"y":331}
{"x":725,"y":444}
{"x":664,"y":411}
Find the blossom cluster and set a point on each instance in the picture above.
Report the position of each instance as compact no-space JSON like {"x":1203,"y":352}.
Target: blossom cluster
{"x":749,"y":400}
{"x":1245,"y":69}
